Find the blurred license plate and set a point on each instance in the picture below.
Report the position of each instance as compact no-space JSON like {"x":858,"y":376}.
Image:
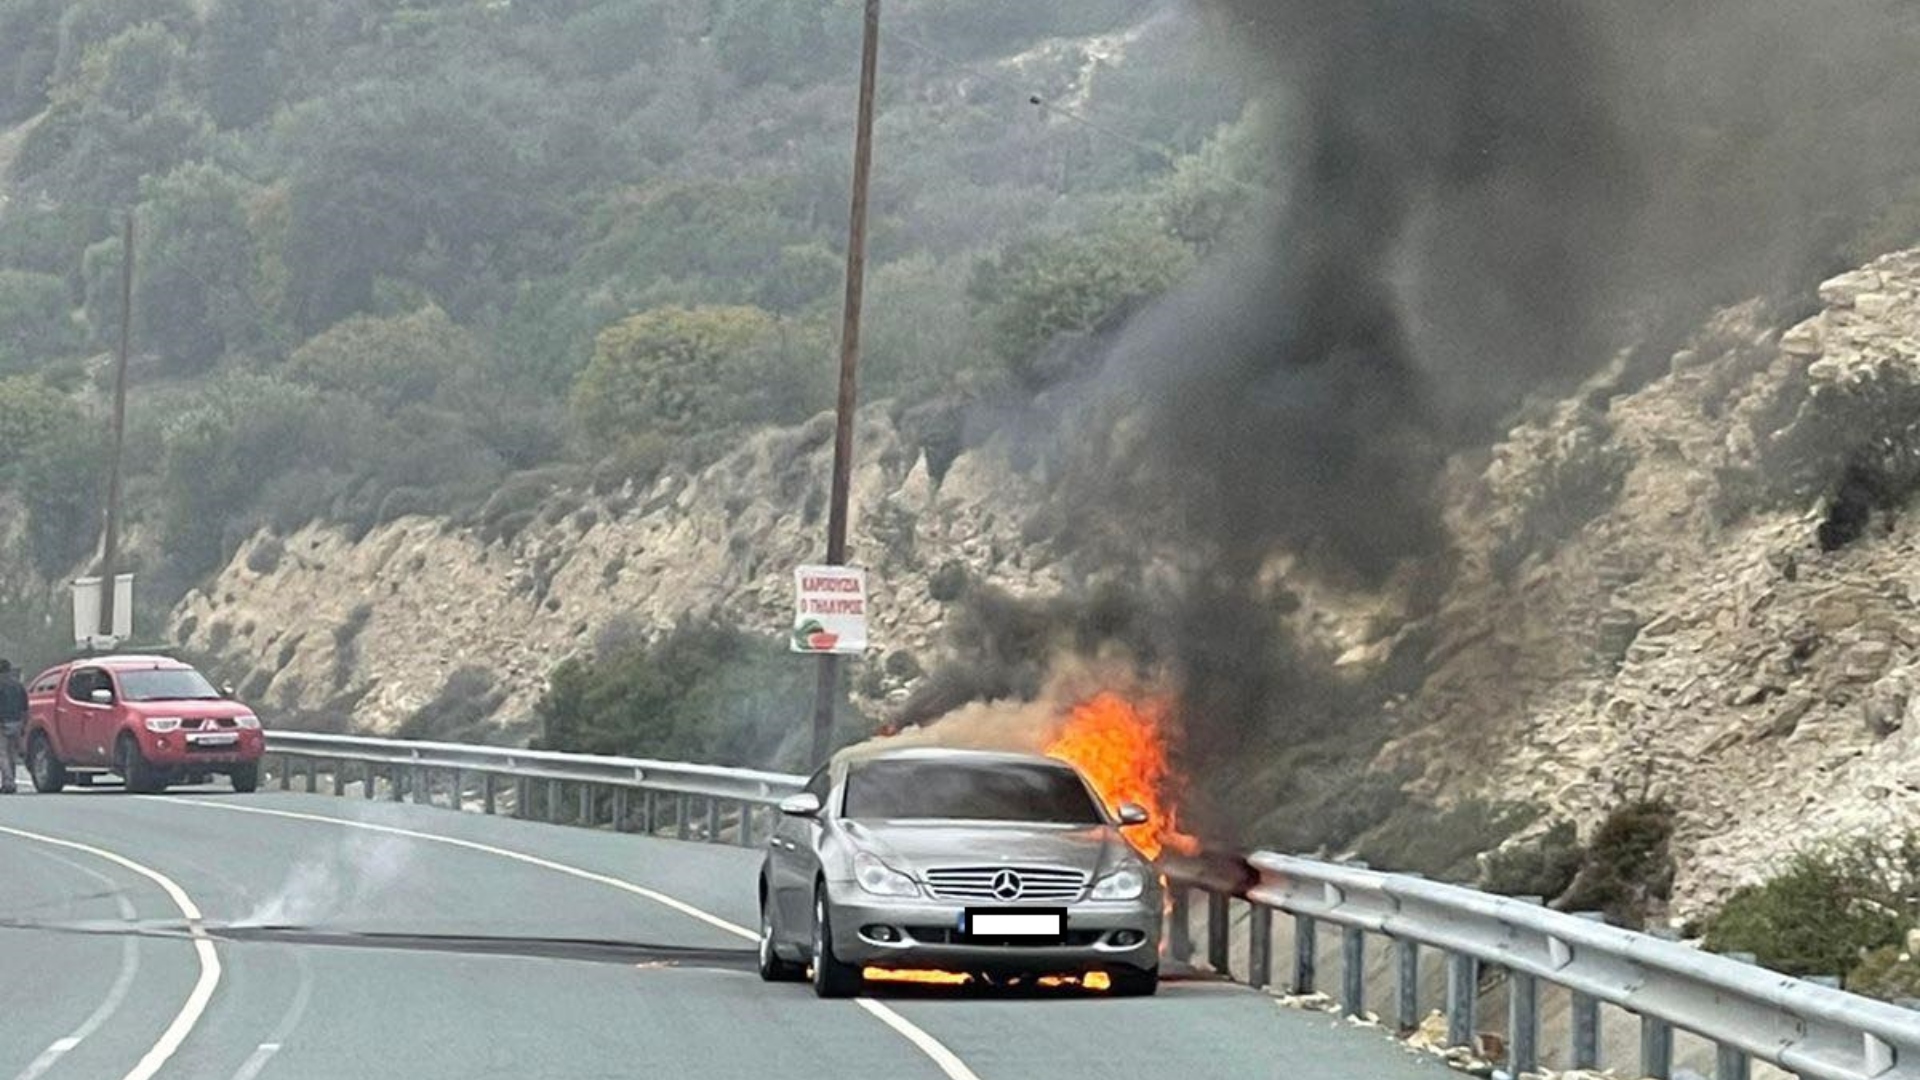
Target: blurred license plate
{"x":213,"y":740}
{"x":1014,"y":924}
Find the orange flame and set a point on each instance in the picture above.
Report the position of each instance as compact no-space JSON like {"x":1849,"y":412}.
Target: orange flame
{"x":931,"y":977}
{"x":1122,"y":747}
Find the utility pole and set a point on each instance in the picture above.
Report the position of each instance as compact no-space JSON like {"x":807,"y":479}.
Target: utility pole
{"x":849,"y":363}
{"x":110,"y":539}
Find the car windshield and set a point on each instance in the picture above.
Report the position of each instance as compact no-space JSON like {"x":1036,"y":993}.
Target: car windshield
{"x":167,"y":684}
{"x":908,"y":790}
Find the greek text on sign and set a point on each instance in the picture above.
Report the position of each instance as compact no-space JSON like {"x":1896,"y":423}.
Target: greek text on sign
{"x":830,"y":610}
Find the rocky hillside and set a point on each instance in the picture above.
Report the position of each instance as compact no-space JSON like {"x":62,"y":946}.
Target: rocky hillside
{"x":319,"y":625}
{"x":1695,"y":586}
{"x":1700,"y":591}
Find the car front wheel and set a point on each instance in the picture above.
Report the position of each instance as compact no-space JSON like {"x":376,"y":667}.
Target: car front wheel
{"x":831,"y":978}
{"x":1135,"y":982}
{"x":141,"y":777}
{"x":246,"y":778}
{"x":49,"y":775}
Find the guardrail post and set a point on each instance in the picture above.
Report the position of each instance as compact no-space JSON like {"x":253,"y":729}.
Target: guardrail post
{"x":1730,"y":1062}
{"x":1306,"y":948}
{"x":339,"y":779}
{"x":367,"y":779}
{"x":1463,"y":986}
{"x":745,"y":832}
{"x":649,"y":813}
{"x":586,"y":805}
{"x":682,"y":828}
{"x":713,"y":820}
{"x":1406,"y":984}
{"x":1656,"y":1048}
{"x":486,"y":794}
{"x":553,"y":802}
{"x":1523,"y":1014}
{"x":1260,"y":946}
{"x":1353,"y":970}
{"x":286,"y":772}
{"x":1586,"y":1017}
{"x":1219,"y":924}
{"x":522,"y":797}
{"x":619,"y":809}
{"x":1179,"y":926}
{"x":394,"y":780}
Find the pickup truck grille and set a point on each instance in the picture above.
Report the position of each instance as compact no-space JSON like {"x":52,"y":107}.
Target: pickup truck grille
{"x":1007,"y":884}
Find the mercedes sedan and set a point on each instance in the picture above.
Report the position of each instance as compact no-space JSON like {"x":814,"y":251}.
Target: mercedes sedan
{"x":999,"y":866}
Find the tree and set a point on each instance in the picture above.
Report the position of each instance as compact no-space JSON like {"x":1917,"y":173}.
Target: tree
{"x":772,"y":40}
{"x":35,"y":321}
{"x":31,"y":414}
{"x":686,"y":372}
{"x":1072,"y":284}
{"x":391,"y":362}
{"x":63,"y":481}
{"x":387,"y":170}
{"x":194,"y":282}
{"x":29,"y":42}
{"x":242,"y":68}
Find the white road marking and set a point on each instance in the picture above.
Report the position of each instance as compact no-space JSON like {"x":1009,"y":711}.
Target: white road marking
{"x":257,"y":1061}
{"x":116,"y":994}
{"x":196,"y":1003}
{"x":945,"y":1059}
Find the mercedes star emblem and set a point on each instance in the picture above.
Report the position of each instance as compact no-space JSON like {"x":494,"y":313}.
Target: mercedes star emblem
{"x":1007,"y":885}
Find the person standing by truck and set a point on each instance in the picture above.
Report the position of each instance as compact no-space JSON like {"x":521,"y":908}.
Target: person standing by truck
{"x":13,"y":723}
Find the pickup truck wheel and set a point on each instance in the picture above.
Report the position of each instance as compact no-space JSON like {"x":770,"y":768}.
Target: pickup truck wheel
{"x":49,"y":775}
{"x":246,"y":778}
{"x":141,"y":777}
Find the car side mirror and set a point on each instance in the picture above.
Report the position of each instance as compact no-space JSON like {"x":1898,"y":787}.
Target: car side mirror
{"x":226,"y":690}
{"x":805,"y":804}
{"x":101,"y":697}
{"x":1134,"y":814}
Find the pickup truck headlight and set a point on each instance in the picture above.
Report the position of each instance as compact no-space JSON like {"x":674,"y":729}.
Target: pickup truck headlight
{"x":880,"y":879}
{"x":246,"y":722}
{"x":161,"y":724}
{"x":1126,"y":883}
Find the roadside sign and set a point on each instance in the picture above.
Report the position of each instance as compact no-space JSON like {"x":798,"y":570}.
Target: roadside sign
{"x":86,"y":612}
{"x":829,"y":610}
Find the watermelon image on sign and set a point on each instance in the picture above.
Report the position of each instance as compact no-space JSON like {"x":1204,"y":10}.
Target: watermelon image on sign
{"x":813,"y":636}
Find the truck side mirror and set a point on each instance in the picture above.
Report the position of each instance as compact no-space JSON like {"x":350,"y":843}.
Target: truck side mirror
{"x":102,"y":696}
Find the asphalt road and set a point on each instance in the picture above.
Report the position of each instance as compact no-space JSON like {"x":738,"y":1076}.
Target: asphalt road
{"x":209,"y":935}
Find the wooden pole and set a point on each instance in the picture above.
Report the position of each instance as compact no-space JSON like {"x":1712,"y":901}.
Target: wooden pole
{"x":110,"y":539}
{"x":849,"y":363}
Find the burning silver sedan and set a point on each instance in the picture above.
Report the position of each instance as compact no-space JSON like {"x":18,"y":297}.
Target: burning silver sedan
{"x":995,"y":866}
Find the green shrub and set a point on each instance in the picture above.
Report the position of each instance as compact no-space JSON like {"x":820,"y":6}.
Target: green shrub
{"x":706,"y":691}
{"x":459,"y":712}
{"x":1825,"y":909}
{"x":1544,"y":866}
{"x":1888,"y":973}
{"x":36,"y":320}
{"x":1628,"y":870}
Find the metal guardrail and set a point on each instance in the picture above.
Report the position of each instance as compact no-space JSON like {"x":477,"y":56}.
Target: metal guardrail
{"x":1751,"y":1014}
{"x":705,"y":802}
{"x":1809,"y":1029}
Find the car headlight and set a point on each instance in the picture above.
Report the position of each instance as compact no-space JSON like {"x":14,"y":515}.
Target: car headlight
{"x":880,"y":879}
{"x":1126,"y":883}
{"x":159,"y":724}
{"x":247,"y":722}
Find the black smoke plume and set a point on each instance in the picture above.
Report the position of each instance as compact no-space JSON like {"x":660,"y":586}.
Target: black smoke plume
{"x":1484,"y":201}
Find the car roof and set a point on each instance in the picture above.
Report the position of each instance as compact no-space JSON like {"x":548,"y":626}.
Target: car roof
{"x":958,"y":757}
{"x":133,"y":662}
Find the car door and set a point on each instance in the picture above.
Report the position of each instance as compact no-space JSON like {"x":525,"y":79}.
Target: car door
{"x":83,"y":723}
{"x":791,"y":860}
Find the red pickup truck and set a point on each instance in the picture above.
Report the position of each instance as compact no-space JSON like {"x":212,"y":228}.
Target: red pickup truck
{"x":151,"y":719}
